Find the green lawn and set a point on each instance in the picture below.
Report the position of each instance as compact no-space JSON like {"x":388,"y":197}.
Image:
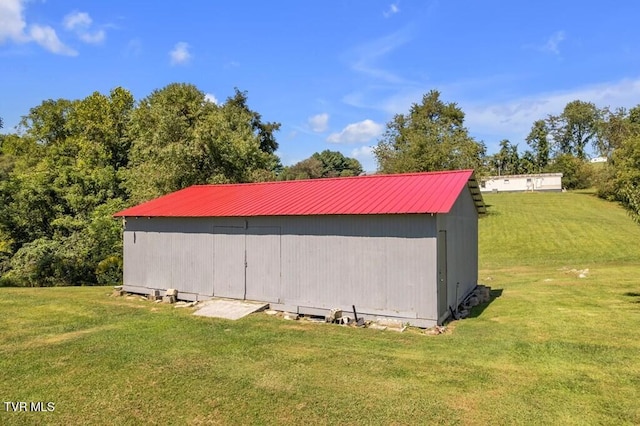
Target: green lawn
{"x":551,"y":348}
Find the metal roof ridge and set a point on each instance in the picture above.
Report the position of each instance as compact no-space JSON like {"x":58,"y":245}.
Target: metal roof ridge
{"x":324,"y":179}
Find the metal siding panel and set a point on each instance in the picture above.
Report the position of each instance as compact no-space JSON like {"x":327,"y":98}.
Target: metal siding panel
{"x":132,"y":270}
{"x":158,"y":260}
{"x":462,"y":231}
{"x":192,"y":260}
{"x":378,"y":263}
{"x":164,"y":253}
{"x":263,"y":263}
{"x":442,"y":289}
{"x":229,"y":262}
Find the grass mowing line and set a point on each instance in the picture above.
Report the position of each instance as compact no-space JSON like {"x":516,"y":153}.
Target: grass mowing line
{"x":558,"y":229}
{"x":552,"y":348}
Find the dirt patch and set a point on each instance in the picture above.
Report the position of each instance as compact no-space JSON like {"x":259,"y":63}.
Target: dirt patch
{"x":65,"y":337}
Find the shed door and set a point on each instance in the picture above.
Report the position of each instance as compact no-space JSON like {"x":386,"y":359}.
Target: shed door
{"x":228,"y":262}
{"x":247,"y":263}
{"x":442,"y":273}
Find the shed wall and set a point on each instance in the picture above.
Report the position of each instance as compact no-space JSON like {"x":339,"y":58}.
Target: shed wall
{"x":169,"y":253}
{"x":382,"y":264}
{"x":461,"y":225}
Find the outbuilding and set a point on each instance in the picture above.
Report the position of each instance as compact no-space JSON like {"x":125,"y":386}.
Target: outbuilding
{"x":401,"y":246}
{"x":522,"y":183}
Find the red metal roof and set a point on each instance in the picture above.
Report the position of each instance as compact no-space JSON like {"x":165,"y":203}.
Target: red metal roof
{"x":433,"y":192}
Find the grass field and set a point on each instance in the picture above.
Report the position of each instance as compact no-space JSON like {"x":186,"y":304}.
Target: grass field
{"x":551,"y":348}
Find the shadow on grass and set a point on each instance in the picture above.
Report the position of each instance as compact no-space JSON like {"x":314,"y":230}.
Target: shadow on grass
{"x":478,"y":310}
{"x":633,"y":294}
{"x":490,"y":211}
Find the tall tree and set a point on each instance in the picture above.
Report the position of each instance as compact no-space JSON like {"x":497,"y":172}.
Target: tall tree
{"x":507,"y":160}
{"x":47,"y":123}
{"x":430,"y":137}
{"x":538,"y":140}
{"x":264,"y":130}
{"x":575,"y":128}
{"x":180,"y":139}
{"x":623,"y":169}
{"x":65,"y":172}
{"x":613,"y":128}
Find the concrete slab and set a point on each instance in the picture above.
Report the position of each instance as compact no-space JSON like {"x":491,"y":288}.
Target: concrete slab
{"x":229,"y":309}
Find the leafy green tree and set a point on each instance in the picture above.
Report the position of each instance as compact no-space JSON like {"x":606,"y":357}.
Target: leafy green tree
{"x":237,"y":145}
{"x":529,"y":163}
{"x":322,"y":165}
{"x":576,"y":173}
{"x":430,"y":137}
{"x":164,"y":154}
{"x":538,"y":140}
{"x":310,"y":168}
{"x":179,"y":139}
{"x":507,"y":160}
{"x":65,"y":164}
{"x":613,"y":128}
{"x":265,"y":131}
{"x":47,"y":123}
{"x":575,"y":128}
{"x":334,"y":163}
{"x":623,"y":169}
{"x":104,"y":121}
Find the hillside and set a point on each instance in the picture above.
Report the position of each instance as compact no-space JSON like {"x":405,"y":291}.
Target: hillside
{"x":564,"y":229}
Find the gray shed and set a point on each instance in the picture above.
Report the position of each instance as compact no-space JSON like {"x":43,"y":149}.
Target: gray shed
{"x":399,"y":246}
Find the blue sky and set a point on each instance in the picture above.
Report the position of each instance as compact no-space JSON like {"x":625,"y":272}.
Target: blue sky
{"x":332,"y":72}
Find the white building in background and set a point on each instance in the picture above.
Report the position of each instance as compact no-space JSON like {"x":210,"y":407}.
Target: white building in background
{"x":518,"y":183}
{"x":598,"y":160}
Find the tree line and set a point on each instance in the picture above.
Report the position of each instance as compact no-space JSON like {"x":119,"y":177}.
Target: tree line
{"x":73,"y":163}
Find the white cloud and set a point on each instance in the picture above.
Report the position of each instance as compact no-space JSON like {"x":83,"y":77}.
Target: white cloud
{"x":77,"y":20}
{"x":367,"y":56}
{"x":12,"y":23}
{"x":393,"y":9}
{"x":362,"y":152}
{"x":80,"y":23}
{"x":46,"y":37}
{"x":319,"y":123}
{"x":180,"y":54}
{"x":211,"y":98}
{"x":553,"y":42}
{"x":13,"y":27}
{"x":513,"y":119}
{"x":552,"y":45}
{"x":95,"y":37}
{"x":362,"y":131}
{"x":364,"y":155}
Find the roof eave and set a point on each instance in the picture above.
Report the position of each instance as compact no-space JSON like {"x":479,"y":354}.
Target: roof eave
{"x":474,"y":188}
